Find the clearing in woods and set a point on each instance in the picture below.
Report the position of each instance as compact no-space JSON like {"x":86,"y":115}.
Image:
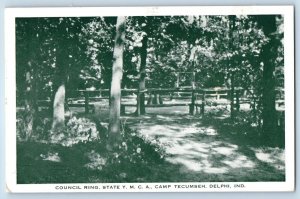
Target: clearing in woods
{"x":210,"y":148}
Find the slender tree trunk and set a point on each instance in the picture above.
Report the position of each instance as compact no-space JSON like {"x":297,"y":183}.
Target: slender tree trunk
{"x":115,"y":91}
{"x":142,"y":83}
{"x":231,"y":65}
{"x":28,"y":105}
{"x":232,"y":111}
{"x":31,"y":107}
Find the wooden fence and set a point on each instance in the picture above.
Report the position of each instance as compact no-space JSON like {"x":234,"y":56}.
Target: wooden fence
{"x":194,"y":98}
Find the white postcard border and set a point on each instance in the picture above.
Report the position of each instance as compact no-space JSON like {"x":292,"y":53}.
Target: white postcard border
{"x":10,"y":98}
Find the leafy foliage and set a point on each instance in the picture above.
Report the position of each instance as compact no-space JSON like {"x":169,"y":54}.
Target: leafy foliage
{"x":212,"y":51}
{"x":212,"y":46}
{"x":79,"y":149}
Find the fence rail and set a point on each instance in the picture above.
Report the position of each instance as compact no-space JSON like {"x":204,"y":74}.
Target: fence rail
{"x":197,"y":97}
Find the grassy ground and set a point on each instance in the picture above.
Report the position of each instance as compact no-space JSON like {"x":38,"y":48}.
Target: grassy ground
{"x":165,"y":145}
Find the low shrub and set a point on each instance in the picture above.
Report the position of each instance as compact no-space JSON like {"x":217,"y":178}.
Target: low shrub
{"x":76,"y":130}
{"x":81,"y":148}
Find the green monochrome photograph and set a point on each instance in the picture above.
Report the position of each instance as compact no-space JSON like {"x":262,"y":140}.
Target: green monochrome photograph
{"x":162,"y":98}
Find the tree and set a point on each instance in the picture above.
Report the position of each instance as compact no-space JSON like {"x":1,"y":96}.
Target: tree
{"x":140,"y":29}
{"x":142,"y":83}
{"x":68,"y":53}
{"x":232,"y":64}
{"x":97,"y":39}
{"x":31,"y":108}
{"x":115,"y":91}
{"x":62,"y":47}
{"x":268,"y":57}
{"x":149,"y":38}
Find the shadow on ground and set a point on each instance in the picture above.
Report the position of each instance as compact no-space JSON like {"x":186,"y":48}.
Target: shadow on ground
{"x":211,"y":148}
{"x":188,"y":149}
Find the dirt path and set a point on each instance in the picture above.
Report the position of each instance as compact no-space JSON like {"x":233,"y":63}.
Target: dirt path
{"x":206,"y":153}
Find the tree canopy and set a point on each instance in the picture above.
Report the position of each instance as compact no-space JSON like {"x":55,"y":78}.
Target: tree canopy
{"x":220,"y":51}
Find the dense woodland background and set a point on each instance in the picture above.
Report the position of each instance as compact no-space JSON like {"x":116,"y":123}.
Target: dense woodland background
{"x":57,"y":58}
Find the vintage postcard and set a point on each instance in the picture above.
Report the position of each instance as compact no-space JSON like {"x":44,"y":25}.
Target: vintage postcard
{"x":150,"y":99}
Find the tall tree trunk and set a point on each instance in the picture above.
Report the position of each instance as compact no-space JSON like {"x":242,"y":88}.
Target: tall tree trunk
{"x":268,"y":100}
{"x":142,"y":83}
{"x":62,"y":57}
{"x":115,"y":91}
{"x":268,"y":56}
{"x":31,"y":107}
{"x":231,"y":65}
{"x":232,"y":111}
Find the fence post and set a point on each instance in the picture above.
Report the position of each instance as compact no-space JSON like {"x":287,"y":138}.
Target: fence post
{"x":192,"y":105}
{"x":218,"y":95}
{"x":203,"y":103}
{"x":232,"y":102}
{"x":138,"y":110}
{"x":237,"y":100}
{"x":86,"y":101}
{"x":177,"y":80}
